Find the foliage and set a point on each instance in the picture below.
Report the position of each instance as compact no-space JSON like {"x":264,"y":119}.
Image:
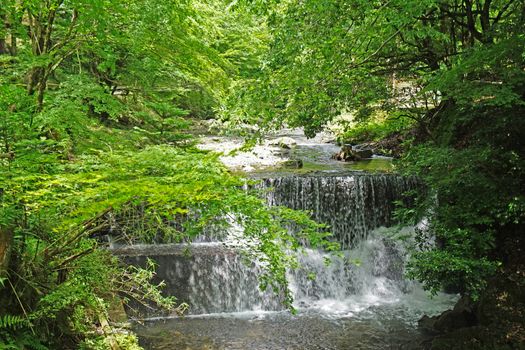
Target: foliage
{"x":376,"y":129}
{"x":62,"y":211}
{"x":12,"y":322}
{"x":326,"y":58}
{"x":94,"y":107}
{"x":475,"y":201}
{"x":93,"y":124}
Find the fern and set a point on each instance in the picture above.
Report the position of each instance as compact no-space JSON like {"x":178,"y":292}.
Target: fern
{"x":30,"y":342}
{"x":12,"y":322}
{"x":23,"y":341}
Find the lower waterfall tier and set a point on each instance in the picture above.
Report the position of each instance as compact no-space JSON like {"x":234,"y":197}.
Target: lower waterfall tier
{"x":214,"y":279}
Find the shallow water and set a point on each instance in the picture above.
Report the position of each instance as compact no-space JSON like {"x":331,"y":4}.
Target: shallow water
{"x":356,"y":307}
{"x":315,"y":154}
{"x":377,"y":328}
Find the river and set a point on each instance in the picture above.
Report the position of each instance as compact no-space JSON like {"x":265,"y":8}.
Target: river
{"x":360,"y":301}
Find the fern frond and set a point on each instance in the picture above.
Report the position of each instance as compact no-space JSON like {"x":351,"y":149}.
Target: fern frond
{"x":12,"y":322}
{"x":32,"y":343}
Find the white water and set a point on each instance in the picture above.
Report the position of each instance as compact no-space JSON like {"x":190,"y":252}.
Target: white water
{"x":366,"y":306}
{"x":215,"y":280}
{"x":369,"y":276}
{"x":352,"y":204}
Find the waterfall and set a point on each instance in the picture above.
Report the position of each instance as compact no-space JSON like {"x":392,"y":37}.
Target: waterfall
{"x":214,"y":279}
{"x":369,"y":274}
{"x":208,"y":276}
{"x":352,"y":205}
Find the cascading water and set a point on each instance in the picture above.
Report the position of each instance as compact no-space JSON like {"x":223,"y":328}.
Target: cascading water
{"x":368,"y":275}
{"x":352,"y":205}
{"x":208,"y":276}
{"x":366,"y":284}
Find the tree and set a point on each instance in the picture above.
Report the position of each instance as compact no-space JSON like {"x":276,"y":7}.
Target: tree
{"x":331,"y":57}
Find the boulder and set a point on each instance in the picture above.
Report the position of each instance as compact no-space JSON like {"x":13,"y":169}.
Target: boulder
{"x":283,"y":142}
{"x":363,"y":150}
{"x":346,"y":154}
{"x":471,"y":338}
{"x":292,"y":163}
{"x":364,"y":153}
{"x":463,"y":315}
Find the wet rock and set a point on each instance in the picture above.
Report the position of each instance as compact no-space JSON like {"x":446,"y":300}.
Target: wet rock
{"x":427,"y":324}
{"x":465,"y":338}
{"x":391,"y":146}
{"x":494,"y":321}
{"x":283,"y":142}
{"x":463,"y":315}
{"x":293,"y":164}
{"x":365,"y":153}
{"x":363,"y":150}
{"x":346,"y":154}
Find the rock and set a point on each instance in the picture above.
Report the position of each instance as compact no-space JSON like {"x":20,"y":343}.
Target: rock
{"x":363,"y":150}
{"x":465,"y":338}
{"x":427,"y":324}
{"x":283,"y":142}
{"x":463,"y":315}
{"x":364,"y":153}
{"x":346,"y":154}
{"x":293,"y":163}
{"x":281,"y":152}
{"x":495,"y":320}
{"x":451,"y":320}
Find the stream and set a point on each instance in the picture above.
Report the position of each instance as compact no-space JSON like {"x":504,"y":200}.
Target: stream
{"x":360,"y":301}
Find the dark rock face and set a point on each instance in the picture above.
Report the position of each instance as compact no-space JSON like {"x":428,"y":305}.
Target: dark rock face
{"x":463,"y":315}
{"x":350,"y":153}
{"x":346,"y":154}
{"x":495,"y":321}
{"x":341,"y":155}
{"x":363,"y":151}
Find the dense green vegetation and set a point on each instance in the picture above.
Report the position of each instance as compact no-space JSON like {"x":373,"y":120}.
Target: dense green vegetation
{"x":95,"y":103}
{"x":96,"y":98}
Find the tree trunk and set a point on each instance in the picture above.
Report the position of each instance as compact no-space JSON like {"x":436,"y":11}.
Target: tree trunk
{"x":3,"y":41}
{"x":13,"y":47}
{"x":3,"y":47}
{"x":40,"y":30}
{"x":6,"y":241}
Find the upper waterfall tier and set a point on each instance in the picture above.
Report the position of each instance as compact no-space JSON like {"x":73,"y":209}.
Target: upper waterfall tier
{"x":352,"y":204}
